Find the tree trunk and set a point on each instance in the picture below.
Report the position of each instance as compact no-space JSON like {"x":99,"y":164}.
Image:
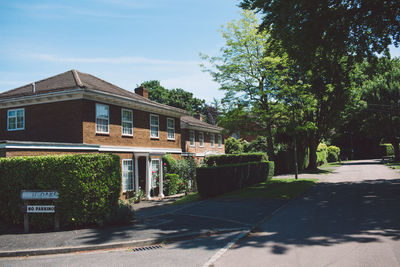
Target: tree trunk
{"x":270,"y":143}
{"x":313,"y":145}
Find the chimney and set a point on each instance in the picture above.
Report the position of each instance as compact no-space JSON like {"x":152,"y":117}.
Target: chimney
{"x":143,"y":91}
{"x":198,"y":116}
{"x":33,"y":88}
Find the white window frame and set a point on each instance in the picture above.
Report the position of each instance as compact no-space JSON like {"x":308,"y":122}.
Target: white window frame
{"x":154,"y":125}
{"x":16,"y":119}
{"x":201,"y":139}
{"x":171,"y":129}
{"x":126,"y":121}
{"x":108,"y":119}
{"x":219,"y":141}
{"x":153,"y":182}
{"x":212,"y":139}
{"x":127,"y":174}
{"x":192,"y":135}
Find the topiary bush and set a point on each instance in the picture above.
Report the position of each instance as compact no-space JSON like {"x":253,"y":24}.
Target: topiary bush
{"x":89,"y":187}
{"x":333,"y":154}
{"x":217,"y":160}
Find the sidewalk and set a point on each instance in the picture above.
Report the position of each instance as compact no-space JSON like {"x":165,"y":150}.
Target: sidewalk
{"x":156,"y":222}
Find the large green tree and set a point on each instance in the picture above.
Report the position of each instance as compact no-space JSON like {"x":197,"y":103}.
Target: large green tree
{"x":325,"y":38}
{"x":250,"y":72}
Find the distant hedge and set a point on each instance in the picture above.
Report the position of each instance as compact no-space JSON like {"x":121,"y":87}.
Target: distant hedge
{"x":386,"y":150}
{"x":333,"y":154}
{"x":216,"y":180}
{"x":218,"y":160}
{"x":88,"y":186}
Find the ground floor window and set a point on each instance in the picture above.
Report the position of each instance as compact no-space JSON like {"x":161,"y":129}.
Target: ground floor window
{"x":127,"y":175}
{"x":155,"y":172}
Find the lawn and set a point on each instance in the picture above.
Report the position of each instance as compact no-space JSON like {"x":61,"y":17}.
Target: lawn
{"x":273,"y":189}
{"x":393,"y":165}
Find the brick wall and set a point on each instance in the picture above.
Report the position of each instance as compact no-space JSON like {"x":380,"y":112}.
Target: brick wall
{"x":141,"y":131}
{"x":52,"y":122}
{"x":207,"y":143}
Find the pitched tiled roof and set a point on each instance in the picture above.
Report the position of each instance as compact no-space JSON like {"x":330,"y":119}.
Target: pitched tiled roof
{"x":191,"y":121}
{"x":74,"y":79}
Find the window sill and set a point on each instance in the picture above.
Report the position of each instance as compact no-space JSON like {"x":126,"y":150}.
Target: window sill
{"x":13,"y":130}
{"x":170,"y":139}
{"x":127,"y":136}
{"x":103,"y":134}
{"x":154,"y":138}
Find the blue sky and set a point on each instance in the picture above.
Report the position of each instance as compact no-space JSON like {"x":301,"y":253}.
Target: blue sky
{"x":120,"y":41}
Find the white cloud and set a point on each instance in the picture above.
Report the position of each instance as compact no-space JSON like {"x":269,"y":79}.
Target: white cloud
{"x":111,"y":60}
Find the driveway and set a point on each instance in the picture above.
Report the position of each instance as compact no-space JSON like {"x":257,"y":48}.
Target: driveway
{"x":351,"y":218}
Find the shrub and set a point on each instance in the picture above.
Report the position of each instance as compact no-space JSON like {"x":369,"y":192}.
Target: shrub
{"x":184,"y":167}
{"x":386,"y":150}
{"x":322,"y":154}
{"x":217,"y":160}
{"x":218,"y":180}
{"x":172,"y":184}
{"x":333,"y":154}
{"x":233,"y":146}
{"x":284,"y":161}
{"x":88,"y":186}
{"x":257,"y":145}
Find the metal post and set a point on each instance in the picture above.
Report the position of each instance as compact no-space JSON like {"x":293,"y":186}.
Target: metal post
{"x":296,"y":169}
{"x":26,"y":222}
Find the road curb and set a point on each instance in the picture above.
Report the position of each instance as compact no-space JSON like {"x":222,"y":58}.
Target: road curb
{"x":115,"y":245}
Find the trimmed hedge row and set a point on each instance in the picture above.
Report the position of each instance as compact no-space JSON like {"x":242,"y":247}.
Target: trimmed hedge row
{"x":88,"y":186}
{"x":216,"y":180}
{"x":218,"y":160}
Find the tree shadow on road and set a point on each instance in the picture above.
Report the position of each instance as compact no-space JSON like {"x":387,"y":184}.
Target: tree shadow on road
{"x":333,"y":213}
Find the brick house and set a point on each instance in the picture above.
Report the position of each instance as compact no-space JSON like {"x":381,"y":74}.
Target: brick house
{"x":200,"y":138}
{"x":76,"y":112}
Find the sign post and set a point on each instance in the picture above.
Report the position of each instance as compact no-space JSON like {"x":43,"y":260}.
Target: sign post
{"x":28,"y":195}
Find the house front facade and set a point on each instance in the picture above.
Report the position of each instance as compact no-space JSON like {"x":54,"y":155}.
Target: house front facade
{"x":75,"y":112}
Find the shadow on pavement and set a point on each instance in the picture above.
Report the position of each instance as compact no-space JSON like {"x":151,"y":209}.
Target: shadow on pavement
{"x":334,"y":213}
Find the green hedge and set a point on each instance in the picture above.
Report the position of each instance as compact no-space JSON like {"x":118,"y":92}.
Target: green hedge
{"x":88,"y":186}
{"x":212,"y":181}
{"x":322,"y":154}
{"x":218,"y":160}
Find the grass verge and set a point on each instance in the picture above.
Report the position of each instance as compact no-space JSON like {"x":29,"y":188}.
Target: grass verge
{"x":188,"y":198}
{"x":273,"y":189}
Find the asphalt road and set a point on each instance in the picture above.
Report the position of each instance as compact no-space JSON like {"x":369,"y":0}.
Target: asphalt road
{"x":184,"y":253}
{"x":351,"y":218}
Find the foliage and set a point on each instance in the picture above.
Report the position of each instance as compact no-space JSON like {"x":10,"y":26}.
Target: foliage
{"x":333,"y":154}
{"x":88,"y":185}
{"x":284,"y":161}
{"x":178,"y":97}
{"x":325,"y":39}
{"x":184,"y":167}
{"x":212,"y":181}
{"x":219,"y":160}
{"x":172,"y":184}
{"x":250,"y":73}
{"x":233,"y":146}
{"x":257,"y":145}
{"x":386,"y":150}
{"x":322,"y":154}
{"x":191,"y":197}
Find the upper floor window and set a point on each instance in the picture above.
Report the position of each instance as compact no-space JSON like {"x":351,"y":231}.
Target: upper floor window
{"x":127,"y":122}
{"x":127,"y":175}
{"x":16,"y":119}
{"x":191,"y":137}
{"x":220,"y":141}
{"x":154,"y":128}
{"x":170,"y":128}
{"x":201,"y":139}
{"x":212,"y":140}
{"x":102,"y":118}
